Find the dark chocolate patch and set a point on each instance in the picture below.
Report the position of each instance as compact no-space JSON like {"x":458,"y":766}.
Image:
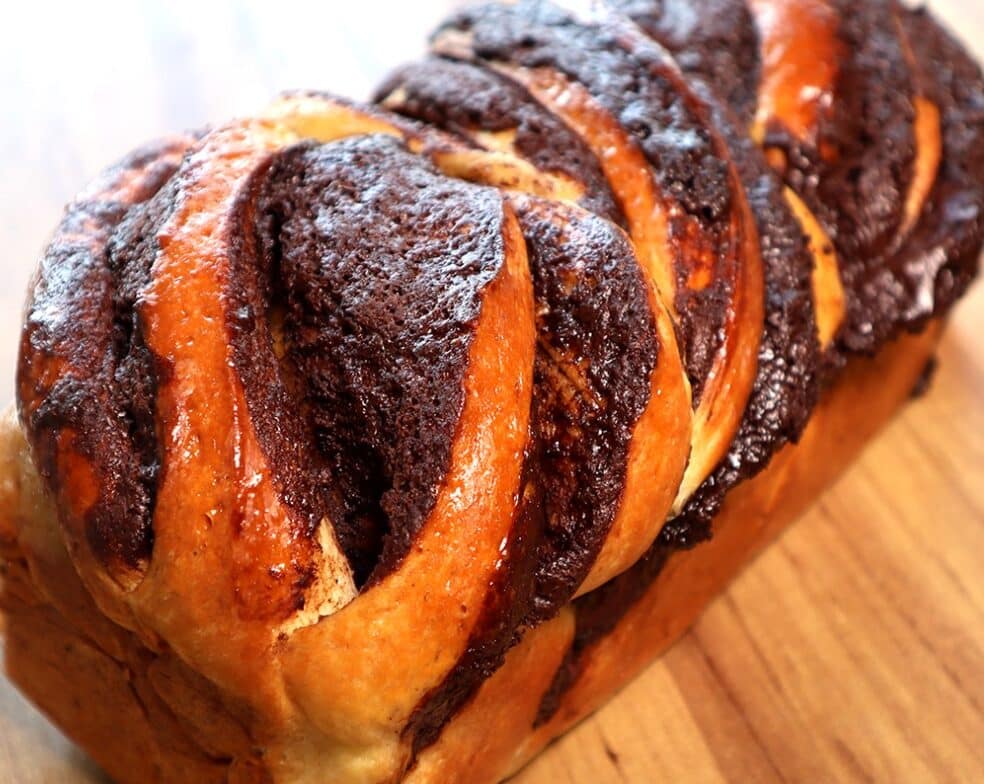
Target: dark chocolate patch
{"x":597,"y":614}
{"x":596,"y":353}
{"x":497,"y":629}
{"x":787,"y":381}
{"x":940,"y":257}
{"x":857,"y":176}
{"x":637,"y":82}
{"x":871,"y":128}
{"x":925,"y":380}
{"x":83,"y":364}
{"x":461,"y":98}
{"x":714,"y":39}
{"x":377,"y":266}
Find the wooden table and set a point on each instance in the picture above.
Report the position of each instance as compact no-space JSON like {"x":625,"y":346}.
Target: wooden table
{"x":851,"y":651}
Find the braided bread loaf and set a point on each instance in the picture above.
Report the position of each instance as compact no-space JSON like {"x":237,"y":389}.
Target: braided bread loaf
{"x":371,"y":442}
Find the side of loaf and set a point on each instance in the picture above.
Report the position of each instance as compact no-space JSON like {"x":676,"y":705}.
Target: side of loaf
{"x":384,"y":442}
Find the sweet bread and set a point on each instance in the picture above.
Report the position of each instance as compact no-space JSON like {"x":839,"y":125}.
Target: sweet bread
{"x":377,"y":442}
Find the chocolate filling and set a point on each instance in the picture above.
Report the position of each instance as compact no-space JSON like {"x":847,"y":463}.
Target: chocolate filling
{"x":925,"y":380}
{"x":785,"y":391}
{"x":354,"y":336}
{"x":864,"y":187}
{"x":598,"y":613}
{"x":497,"y":628}
{"x":461,"y":98}
{"x":714,"y":39}
{"x":787,"y":381}
{"x":857,"y":174}
{"x":596,"y":353}
{"x":939,"y":258}
{"x":84,"y":368}
{"x":637,"y":82}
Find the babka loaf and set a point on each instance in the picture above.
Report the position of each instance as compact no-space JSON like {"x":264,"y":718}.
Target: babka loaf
{"x":370,"y":443}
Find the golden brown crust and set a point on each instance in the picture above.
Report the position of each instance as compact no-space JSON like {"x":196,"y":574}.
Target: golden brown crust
{"x":91,"y":676}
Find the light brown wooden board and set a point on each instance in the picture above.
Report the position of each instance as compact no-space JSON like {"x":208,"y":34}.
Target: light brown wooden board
{"x":851,"y":651}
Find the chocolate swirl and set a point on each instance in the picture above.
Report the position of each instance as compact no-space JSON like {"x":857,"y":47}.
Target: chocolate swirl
{"x":374,"y":270}
{"x":640,"y":86}
{"x":716,"y":40}
{"x":86,"y":379}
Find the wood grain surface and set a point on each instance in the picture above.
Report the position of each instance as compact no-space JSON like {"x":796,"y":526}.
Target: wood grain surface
{"x":851,"y":651}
